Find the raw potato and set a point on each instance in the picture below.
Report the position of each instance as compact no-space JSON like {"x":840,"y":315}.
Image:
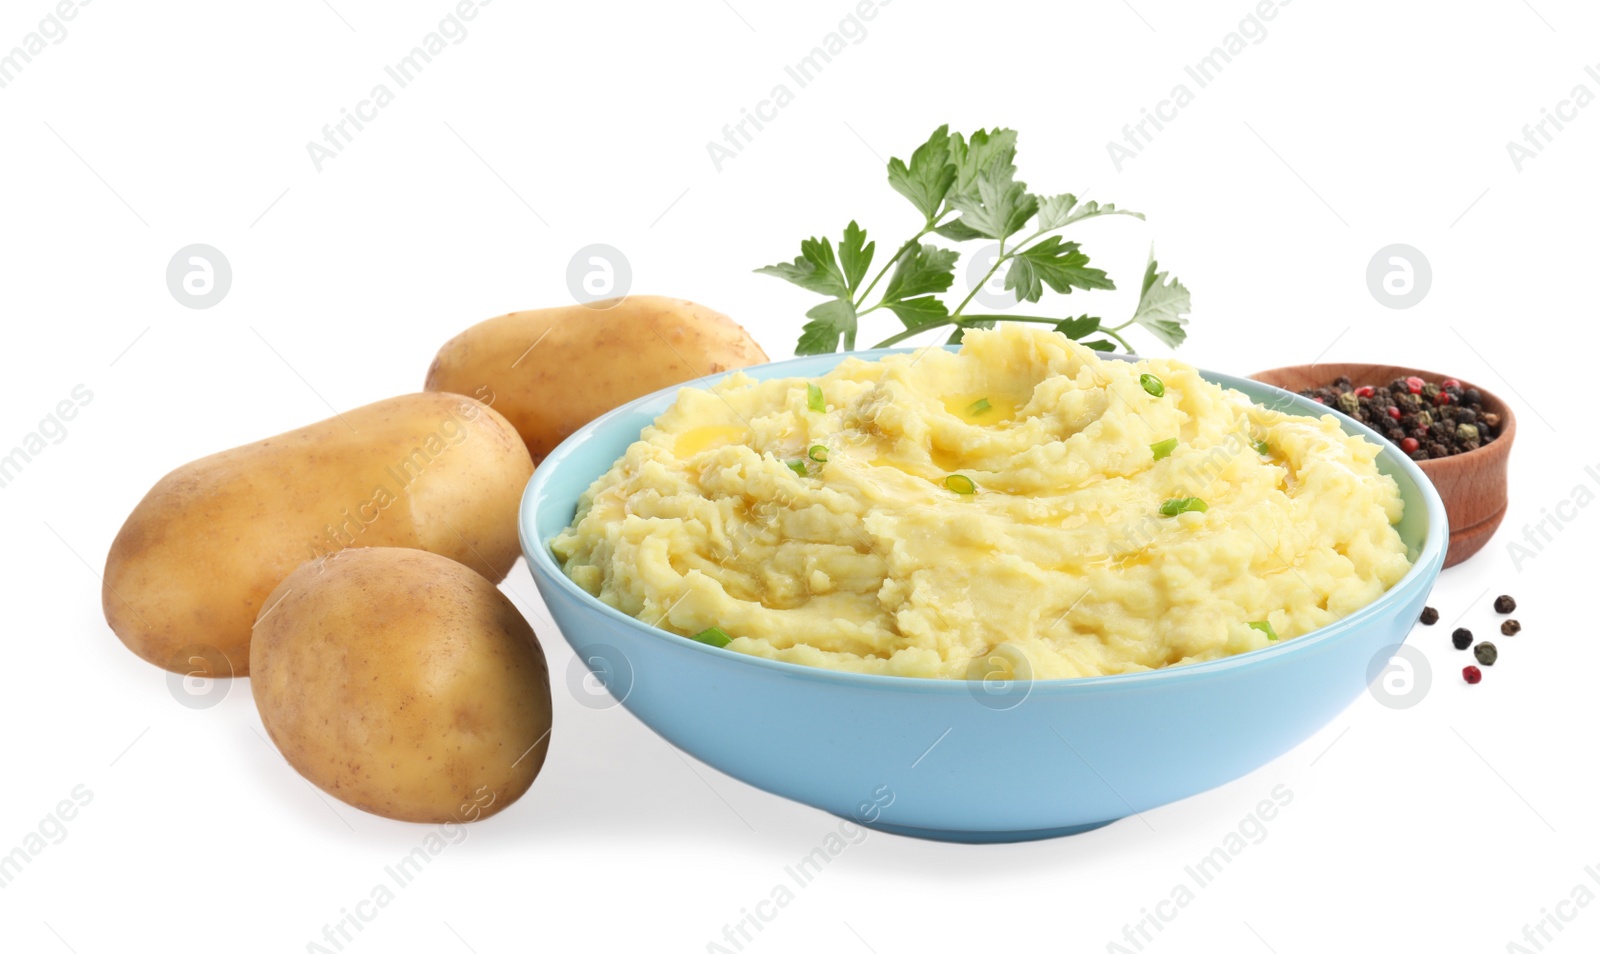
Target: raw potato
{"x":553,"y":370}
{"x":403,"y":683}
{"x":195,"y":561}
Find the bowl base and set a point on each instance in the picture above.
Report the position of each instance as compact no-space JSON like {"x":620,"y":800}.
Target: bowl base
{"x":1465,"y":541}
{"x":982,"y":837}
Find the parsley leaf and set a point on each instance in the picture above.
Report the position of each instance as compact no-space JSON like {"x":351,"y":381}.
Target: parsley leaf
{"x":1162,"y":304}
{"x":1076,"y":328}
{"x":973,"y":158}
{"x":855,"y":255}
{"x":1055,"y":263}
{"x":999,"y":205}
{"x":958,"y":231}
{"x":815,"y":270}
{"x":927,"y":268}
{"x":922,"y":270}
{"x":915,"y":312}
{"x":1100,"y":344}
{"x":928,"y":177}
{"x":1059,"y":211}
{"x":830,"y":321}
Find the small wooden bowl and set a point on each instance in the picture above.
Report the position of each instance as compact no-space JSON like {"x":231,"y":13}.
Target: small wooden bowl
{"x":1473,"y":485}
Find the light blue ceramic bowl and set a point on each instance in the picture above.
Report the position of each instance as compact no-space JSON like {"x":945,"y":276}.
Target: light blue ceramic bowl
{"x":950,"y":759}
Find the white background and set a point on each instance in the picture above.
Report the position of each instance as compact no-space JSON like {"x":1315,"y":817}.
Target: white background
{"x":1351,"y":126}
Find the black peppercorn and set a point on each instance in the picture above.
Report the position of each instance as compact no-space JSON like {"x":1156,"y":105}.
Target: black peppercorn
{"x":1510,"y":627}
{"x":1461,"y":638}
{"x":1431,"y":616}
{"x":1504,"y":604}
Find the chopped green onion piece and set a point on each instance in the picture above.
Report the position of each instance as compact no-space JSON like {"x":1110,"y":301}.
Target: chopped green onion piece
{"x":712,"y":637}
{"x":1179,"y":505}
{"x":961,"y":484}
{"x":1152,"y":385}
{"x":818,"y":453}
{"x":798,"y":466}
{"x":1163,"y":448}
{"x":1261,"y":447}
{"x":814,"y":399}
{"x":979,"y":406}
{"x":1266,"y":627}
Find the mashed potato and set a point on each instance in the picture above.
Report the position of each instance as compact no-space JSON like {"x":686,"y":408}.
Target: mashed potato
{"x":1060,"y":563}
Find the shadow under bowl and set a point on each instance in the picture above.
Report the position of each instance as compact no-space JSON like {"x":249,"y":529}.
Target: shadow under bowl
{"x":961,"y":760}
{"x":1472,"y":485}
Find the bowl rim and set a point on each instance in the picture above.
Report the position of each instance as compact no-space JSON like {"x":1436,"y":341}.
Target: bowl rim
{"x":1427,"y":564}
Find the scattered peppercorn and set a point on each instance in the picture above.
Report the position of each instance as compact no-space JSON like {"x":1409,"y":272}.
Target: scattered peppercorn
{"x":1473,"y":675}
{"x":1510,"y":627}
{"x":1428,"y":421}
{"x":1429,"y":616}
{"x":1461,"y":638}
{"x":1486,"y":653}
{"x":1504,"y":604}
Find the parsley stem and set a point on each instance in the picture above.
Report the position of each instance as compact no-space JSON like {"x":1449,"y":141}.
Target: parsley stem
{"x":1120,"y":340}
{"x":999,"y":259}
{"x":910,"y":244}
{"x":895,"y":339}
{"x":1032,"y":318}
{"x":954,"y":320}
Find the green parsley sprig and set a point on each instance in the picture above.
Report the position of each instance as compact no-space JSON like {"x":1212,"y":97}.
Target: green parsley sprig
{"x":965,"y":189}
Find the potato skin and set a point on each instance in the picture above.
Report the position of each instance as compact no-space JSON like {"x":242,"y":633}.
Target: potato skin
{"x":196,"y":559}
{"x":587,"y":359}
{"x":403,"y":683}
